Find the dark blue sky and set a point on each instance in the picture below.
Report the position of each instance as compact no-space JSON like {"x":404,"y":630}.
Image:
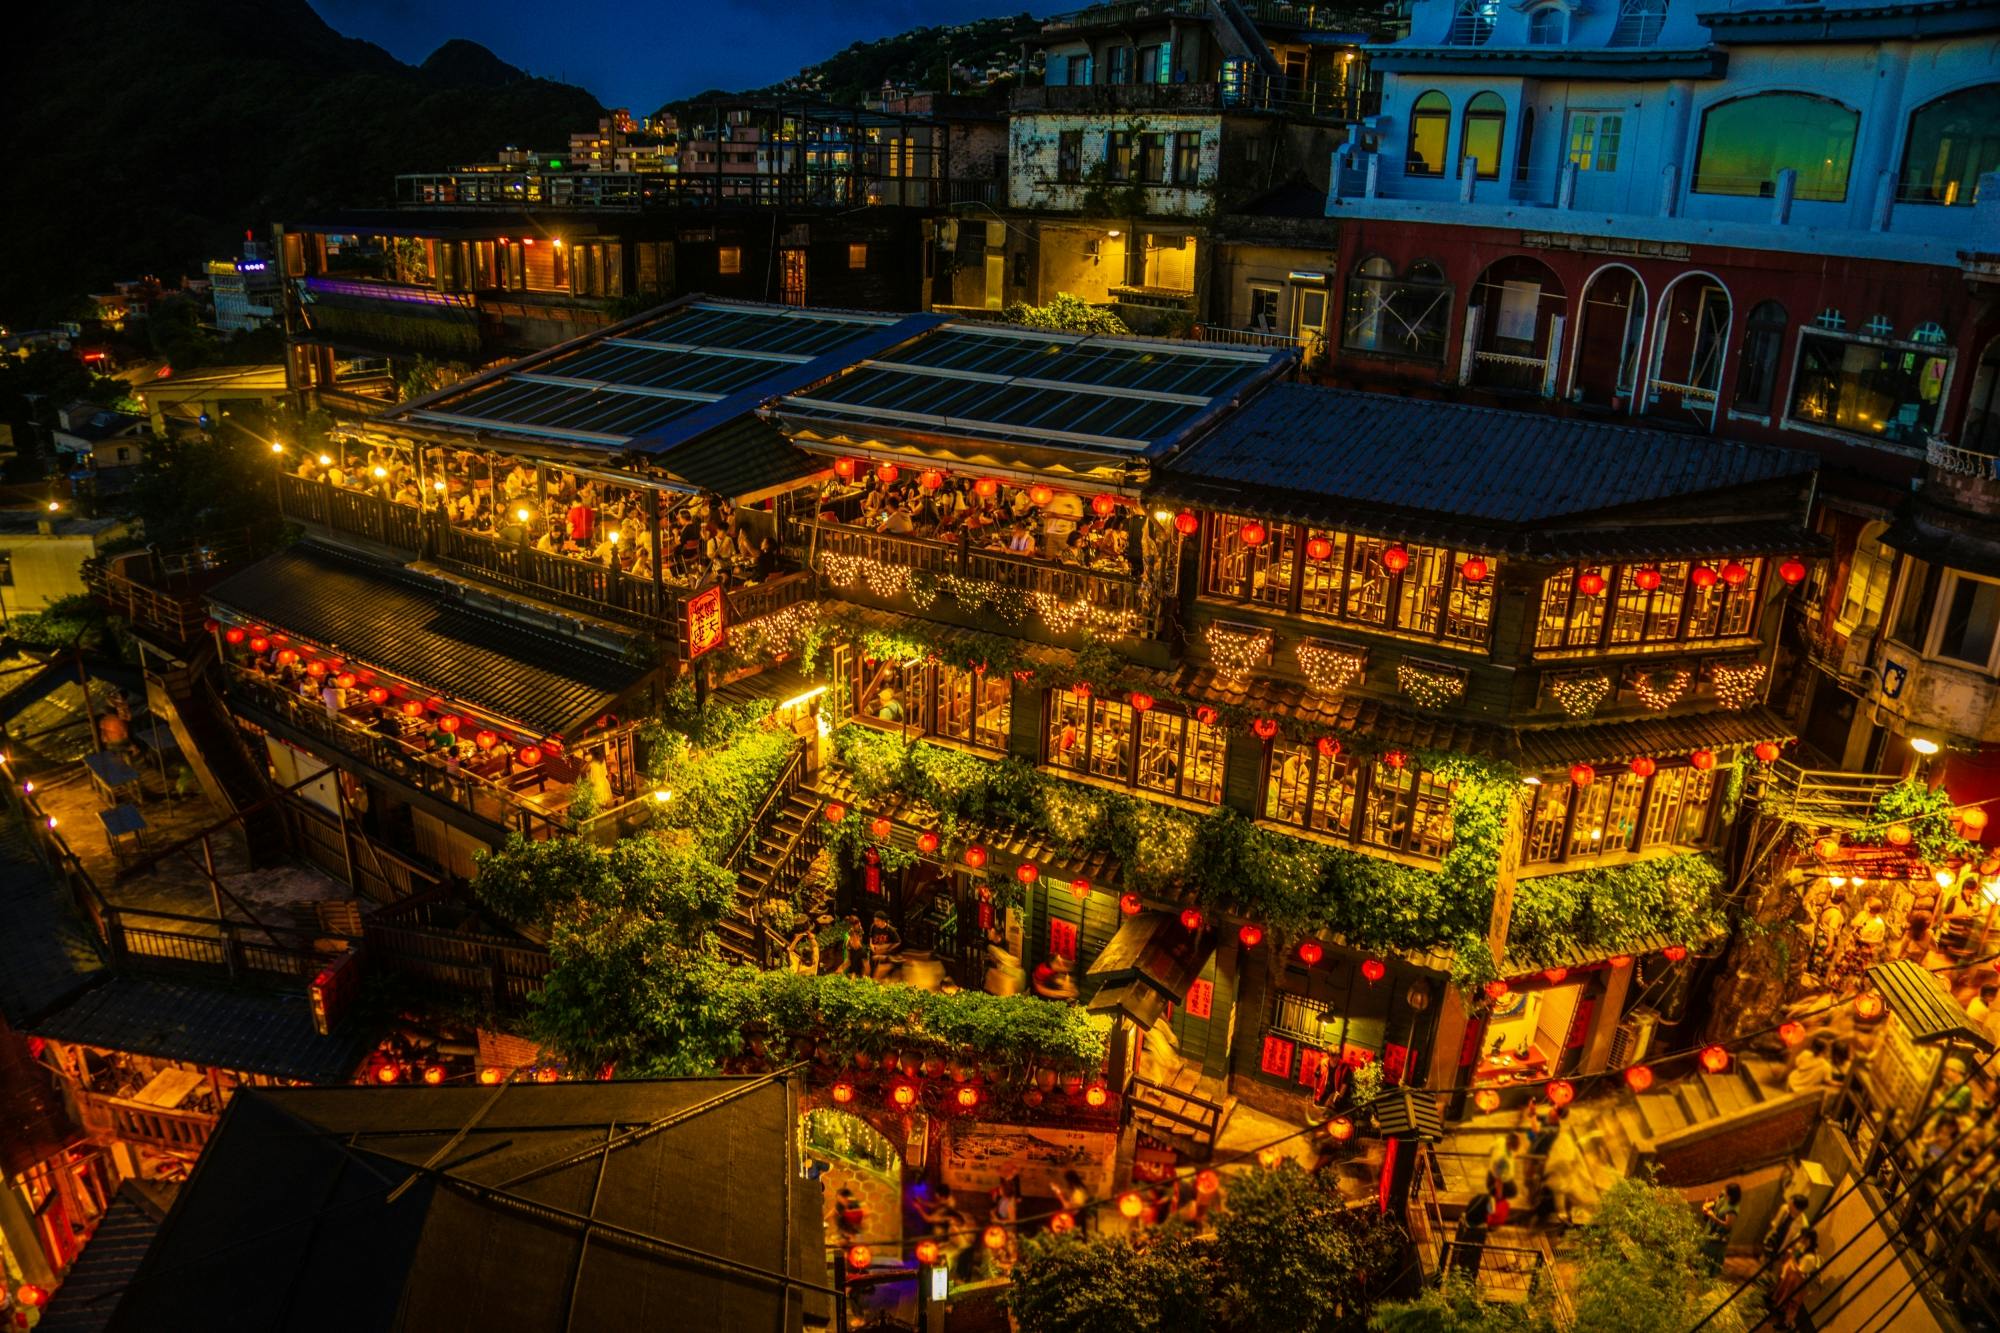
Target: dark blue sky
{"x":637,"y":54}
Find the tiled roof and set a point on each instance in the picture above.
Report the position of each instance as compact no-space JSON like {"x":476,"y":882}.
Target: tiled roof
{"x":1544,"y":748}
{"x":255,"y":1032}
{"x":111,"y":1258}
{"x":1478,"y":476}
{"x":48,"y":957}
{"x":1357,"y":714}
{"x":742,"y":458}
{"x":409,"y":626}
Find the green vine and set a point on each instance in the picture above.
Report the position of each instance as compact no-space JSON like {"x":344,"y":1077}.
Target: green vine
{"x":1928,"y":813}
{"x":1607,"y":909}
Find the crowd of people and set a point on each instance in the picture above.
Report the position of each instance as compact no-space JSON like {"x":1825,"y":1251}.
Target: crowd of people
{"x":988,"y":515}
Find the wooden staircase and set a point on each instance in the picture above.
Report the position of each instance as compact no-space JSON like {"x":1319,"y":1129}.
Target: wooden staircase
{"x":771,"y":859}
{"x":1186,"y":1107}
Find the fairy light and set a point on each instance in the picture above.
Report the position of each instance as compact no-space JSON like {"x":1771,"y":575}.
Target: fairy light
{"x":1736,"y":686}
{"x":1430,"y":687}
{"x":883,"y":579}
{"x":1661,"y":690}
{"x":1328,"y":670}
{"x":1235,"y":651}
{"x":1063,"y":616}
{"x":1580,"y":695}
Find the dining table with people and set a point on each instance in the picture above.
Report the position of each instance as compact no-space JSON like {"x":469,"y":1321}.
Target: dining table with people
{"x":1035,"y":522}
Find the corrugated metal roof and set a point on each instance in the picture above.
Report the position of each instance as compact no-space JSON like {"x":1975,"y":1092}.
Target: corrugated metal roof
{"x":232,"y":1029}
{"x":1300,"y":451}
{"x":1925,"y":1008}
{"x":1548,"y":748}
{"x":409,"y":626}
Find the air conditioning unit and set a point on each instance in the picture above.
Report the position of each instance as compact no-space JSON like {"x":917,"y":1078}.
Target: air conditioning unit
{"x":1634,"y":1038}
{"x":1091,"y":249}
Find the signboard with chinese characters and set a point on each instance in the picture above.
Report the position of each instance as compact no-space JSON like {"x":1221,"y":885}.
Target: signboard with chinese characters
{"x":978,"y":1156}
{"x":704,"y":627}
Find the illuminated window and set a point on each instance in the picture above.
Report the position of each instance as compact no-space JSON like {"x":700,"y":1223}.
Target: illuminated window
{"x":1479,"y":139}
{"x":1626,"y":614}
{"x":1305,"y":788}
{"x":1472,"y":22}
{"x":1619,"y":812}
{"x":1747,"y":141}
{"x":1430,"y":127}
{"x":729,"y":259}
{"x":857,"y":254}
{"x":1874,"y":390}
{"x":1953,"y":142}
{"x":1157,"y":750}
{"x":1867,"y":582}
{"x":934,"y":699}
{"x":1407,"y":316}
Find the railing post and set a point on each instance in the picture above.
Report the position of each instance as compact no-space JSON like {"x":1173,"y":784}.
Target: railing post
{"x":1468,"y":173}
{"x":1566,"y":187}
{"x":1781,"y":197}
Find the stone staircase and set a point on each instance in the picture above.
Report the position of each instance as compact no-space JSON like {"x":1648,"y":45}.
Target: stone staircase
{"x":1698,"y":1127}
{"x":1185,"y":1107}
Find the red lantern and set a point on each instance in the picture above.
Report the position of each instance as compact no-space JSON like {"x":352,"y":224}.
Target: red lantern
{"x":1265,"y":728}
{"x":1582,"y":775}
{"x":449,"y":724}
{"x":1714,"y":1059}
{"x":975,"y":856}
{"x":1373,"y":969}
{"x":1131,"y":1205}
{"x":1141,"y":702}
{"x":1497,"y":991}
{"x":1474,"y":570}
{"x":433,"y":1075}
{"x":843,"y":1092}
{"x":1340,"y":1129}
{"x":287,"y":657}
{"x":859,"y":1256}
{"x":388,"y":1072}
{"x":1868,"y":1005}
{"x":1647,"y":578}
{"x":968,"y":1097}
{"x":927,"y":842}
{"x":1486,"y":1100}
{"x":1673,"y":953}
{"x":260,"y":644}
{"x":1898,"y":835}
{"x":1791,"y":1032}
{"x":1104,"y":506}
{"x":1186,"y":523}
{"x":1329,"y":748}
{"x":31,"y":1296}
{"x":486,"y":740}
{"x":1734,"y":574}
{"x":1766,"y":751}
{"x":1310,"y":952}
{"x":1251,"y":935}
{"x":1081,"y":689}
{"x":1191,"y":918}
{"x":986,"y":488}
{"x":1207,"y":716}
{"x":1590,"y":583}
{"x":1560,"y":1093}
{"x":1554,"y":975}
{"x":378,"y":696}
{"x":1702,"y":576}
{"x":413,"y":708}
{"x":1130,"y":904}
{"x":1702,"y":759}
{"x":931,"y":480}
{"x":1319,"y":548}
{"x":1026,"y":872}
{"x":234,"y":634}
{"x":1618,"y":960}
{"x":927,"y":1253}
{"x":347,"y":680}
{"x":834,"y":812}
{"x":315,"y":668}
{"x":1207,"y":1180}
{"x":1792,"y":571}
{"x":885,"y":473}
{"x":844,"y":468}
{"x":1252,"y":533}
{"x":903,"y":1095}
{"x":880,"y":827}
{"x":1638,"y":1078}
{"x":1395,"y":559}
{"x":1095,"y":1095}
{"x":1395,"y":758}
{"x":1643,"y":767}
{"x":492,"y":1075}
{"x":1062,"y":1222}
{"x":1040,"y":496}
{"x":529,"y":756}
{"x":1079,"y":888}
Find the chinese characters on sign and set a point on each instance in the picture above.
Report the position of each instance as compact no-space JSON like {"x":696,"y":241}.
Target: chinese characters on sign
{"x":704,"y":622}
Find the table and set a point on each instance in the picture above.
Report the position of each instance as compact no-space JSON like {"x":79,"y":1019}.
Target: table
{"x":124,"y":827}
{"x":111,"y":777}
{"x":169,"y":1088}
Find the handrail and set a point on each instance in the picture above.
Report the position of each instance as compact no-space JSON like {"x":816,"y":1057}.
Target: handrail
{"x":785,"y":784}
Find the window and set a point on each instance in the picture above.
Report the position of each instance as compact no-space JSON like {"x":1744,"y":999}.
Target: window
{"x":1311,"y":309}
{"x":1479,"y":139}
{"x":1155,"y":750}
{"x":1430,"y":126}
{"x":1079,"y":70}
{"x":1118,"y":68}
{"x":857,"y":254}
{"x":1639,"y":22}
{"x":1878,"y":391}
{"x":1970,"y":615}
{"x":1308,"y":789}
{"x":1683,"y":605}
{"x":729,"y":259}
{"x":1745,"y":143}
{"x":1982,"y":410}
{"x":1341,"y":576}
{"x":1619,"y":812}
{"x":1069,"y":156}
{"x":1548,"y":26}
{"x":1953,"y":142}
{"x":919,"y":698}
{"x":1524,"y":143}
{"x":1187,"y":157}
{"x":1918,"y":590}
{"x":976,"y":707}
{"x":1264,"y":309}
{"x":1118,"y":155}
{"x":1472,"y":22}
{"x":1153,"y":158}
{"x":1757,"y":367}
{"x":1404,"y":317}
{"x":1401,"y":809}
{"x":1407,"y":811}
{"x":1593,"y":139}
{"x":1867,"y":582}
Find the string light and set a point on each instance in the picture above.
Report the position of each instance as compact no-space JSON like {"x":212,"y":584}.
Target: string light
{"x":1736,"y":686}
{"x":883,"y":579}
{"x":1430,"y":687}
{"x":1235,"y":651}
{"x":1661,"y":690}
{"x":1579,"y":695}
{"x":1328,"y":670}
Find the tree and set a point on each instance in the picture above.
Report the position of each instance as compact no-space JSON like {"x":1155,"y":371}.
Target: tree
{"x":1455,"y":1306}
{"x":1065,"y":314}
{"x":1294,"y":1255}
{"x":192,"y":488}
{"x":1643,"y":1267}
{"x":1075,"y":1284}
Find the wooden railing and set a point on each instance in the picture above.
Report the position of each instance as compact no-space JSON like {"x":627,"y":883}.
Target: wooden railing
{"x":178,"y":616}
{"x":138,"y":1122}
{"x":1202,"y":1118}
{"x":1819,"y":796}
{"x":426,"y":939}
{"x":583,"y":584}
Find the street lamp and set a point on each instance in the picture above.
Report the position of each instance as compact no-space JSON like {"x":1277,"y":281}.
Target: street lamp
{"x":1924,"y":746}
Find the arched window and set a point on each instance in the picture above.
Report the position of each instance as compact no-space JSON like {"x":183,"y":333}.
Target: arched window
{"x":1867,"y":582}
{"x":1548,"y":26}
{"x":1472,"y":22}
{"x":1485,"y":127}
{"x":1406,"y":316}
{"x":1757,"y":368}
{"x":1746,"y":142}
{"x":1430,"y":127}
{"x":1639,"y":22}
{"x":1953,"y":141}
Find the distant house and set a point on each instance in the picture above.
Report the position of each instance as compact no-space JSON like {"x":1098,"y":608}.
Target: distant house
{"x":100,"y":438}
{"x":42,"y":554}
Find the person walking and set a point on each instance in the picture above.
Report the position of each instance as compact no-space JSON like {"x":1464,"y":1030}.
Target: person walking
{"x":1469,"y":1244}
{"x":1791,"y":1217}
{"x":1719,"y":1215}
{"x":1801,"y":1265}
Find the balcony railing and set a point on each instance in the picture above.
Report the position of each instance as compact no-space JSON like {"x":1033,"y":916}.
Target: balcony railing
{"x":844,"y":186}
{"x":1958,"y":462}
{"x":131,"y":1121}
{"x":1821,"y":796}
{"x":1253,"y":93}
{"x":435,"y":940}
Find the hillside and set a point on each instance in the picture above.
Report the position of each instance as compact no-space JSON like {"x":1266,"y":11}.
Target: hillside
{"x":150,"y":133}
{"x":918,"y":58}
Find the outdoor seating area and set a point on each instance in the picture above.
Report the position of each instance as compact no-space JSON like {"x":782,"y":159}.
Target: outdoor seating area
{"x":1038,"y":522}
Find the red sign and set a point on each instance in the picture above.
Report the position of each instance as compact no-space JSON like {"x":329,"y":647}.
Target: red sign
{"x":704,"y":622}
{"x":332,"y":990}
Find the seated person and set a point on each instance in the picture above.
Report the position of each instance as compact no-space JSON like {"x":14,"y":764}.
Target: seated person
{"x":889,"y":705}
{"x":1055,"y":979}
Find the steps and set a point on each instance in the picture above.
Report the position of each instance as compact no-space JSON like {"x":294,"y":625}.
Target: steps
{"x":768,"y":865}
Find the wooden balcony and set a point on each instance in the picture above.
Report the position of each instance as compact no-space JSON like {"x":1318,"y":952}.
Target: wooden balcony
{"x":442,"y":943}
{"x":160,"y":592}
{"x":140,"y":1123}
{"x":1821,"y":797}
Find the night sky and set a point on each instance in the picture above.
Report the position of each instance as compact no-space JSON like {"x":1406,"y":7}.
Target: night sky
{"x":638,"y":54}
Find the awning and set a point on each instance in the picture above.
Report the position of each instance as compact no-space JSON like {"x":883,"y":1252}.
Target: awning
{"x":1546,"y":748}
{"x":417,"y":629}
{"x":1925,"y":1008}
{"x":1149,"y":964}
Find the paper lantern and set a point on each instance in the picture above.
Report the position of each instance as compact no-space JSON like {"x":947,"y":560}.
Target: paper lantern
{"x":968,"y":1097}
{"x":1027,"y":872}
{"x":1554,"y":975}
{"x":1268,"y":1158}
{"x":994,"y":1238}
{"x":903,"y":1095}
{"x":1766,"y":751}
{"x":1373,"y":969}
{"x":834,"y":812}
{"x":315,"y":668}
{"x":1395,"y":758}
{"x":1792,"y":571}
{"x":927,"y":842}
{"x":1582,"y":775}
{"x":986,"y":488}
{"x":859,"y":1256}
{"x":286,"y":657}
{"x":1898,"y":835}
{"x":1252,"y":533}
{"x":1791,"y":1032}
{"x":1973,"y":819}
{"x":1590,"y":583}
{"x":1328,"y":747}
{"x":931,"y":479}
{"x":975,"y":856}
{"x":1486,"y":1100}
{"x":1868,"y":1005}
{"x":260,"y":644}
{"x":1081,"y":689}
{"x":347,"y":680}
{"x":1714,"y":1059}
{"x":1310,"y":952}
{"x":885,"y":473}
{"x":1319,"y":548}
{"x":1646,"y":578}
{"x":1701,"y":576}
{"x":1104,"y":506}
{"x":1096,"y":1095}
{"x":234,"y":634}
{"x":1395,"y":559}
{"x":1191,"y":918}
{"x":880,"y":827}
{"x":413,"y":708}
{"x":1702,"y":759}
{"x":529,"y":756}
{"x":1130,"y":904}
{"x":1340,"y":1129}
{"x":1141,"y":701}
{"x":1497,"y":990}
{"x":1265,"y":728}
{"x":1734,"y":574}
{"x":1040,"y":496}
{"x":1673,"y":953}
{"x":1062,"y":1222}
{"x":1207,"y":1180}
{"x":433,"y":1075}
{"x":388,"y":1073}
{"x":1643,"y":767}
{"x":844,"y":468}
{"x":1250,"y":935}
{"x":1186,"y":523}
{"x":1560,"y":1092}
{"x":486,"y":740}
{"x":1207,"y":717}
{"x":1638,"y":1078}
{"x":491,"y":1076}
{"x":547,"y":1074}
{"x":32,"y":1296}
{"x":1618,"y":960}
{"x":1079,"y":888}
{"x":378,"y":696}
{"x":1474,"y":570}
{"x":843,"y":1092}
{"x":449,"y":724}
{"x":927,"y":1253}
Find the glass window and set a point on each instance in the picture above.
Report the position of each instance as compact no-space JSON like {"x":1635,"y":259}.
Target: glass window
{"x":1677,"y":810}
{"x":1187,"y":157}
{"x":1069,"y":156}
{"x":1593,"y":139}
{"x":1159,"y":751}
{"x":1757,"y":368}
{"x":1069,"y":730}
{"x":1407,"y":811}
{"x":975,"y":707}
{"x":1639,"y":22}
{"x":1685,"y":603}
{"x":1919,"y":590}
{"x":1485,"y":126}
{"x":1430,"y":128}
{"x":1867,"y":582}
{"x":1118,"y":67}
{"x":1472,"y":22}
{"x":1548,"y":26}
{"x":1079,"y":70}
{"x":1982,"y":410}
{"x":1325,"y":574}
{"x":1409,"y":316}
{"x":1953,"y":142}
{"x":1746,"y":142}
{"x":1180,"y":756}
{"x":1307,"y":789}
{"x":1264,"y":309}
{"x":1971,"y":614}
{"x":729,"y":259}
{"x":1870,"y":389}
{"x":1118,"y":155}
{"x":857,"y":254}
{"x":1153,"y":158}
